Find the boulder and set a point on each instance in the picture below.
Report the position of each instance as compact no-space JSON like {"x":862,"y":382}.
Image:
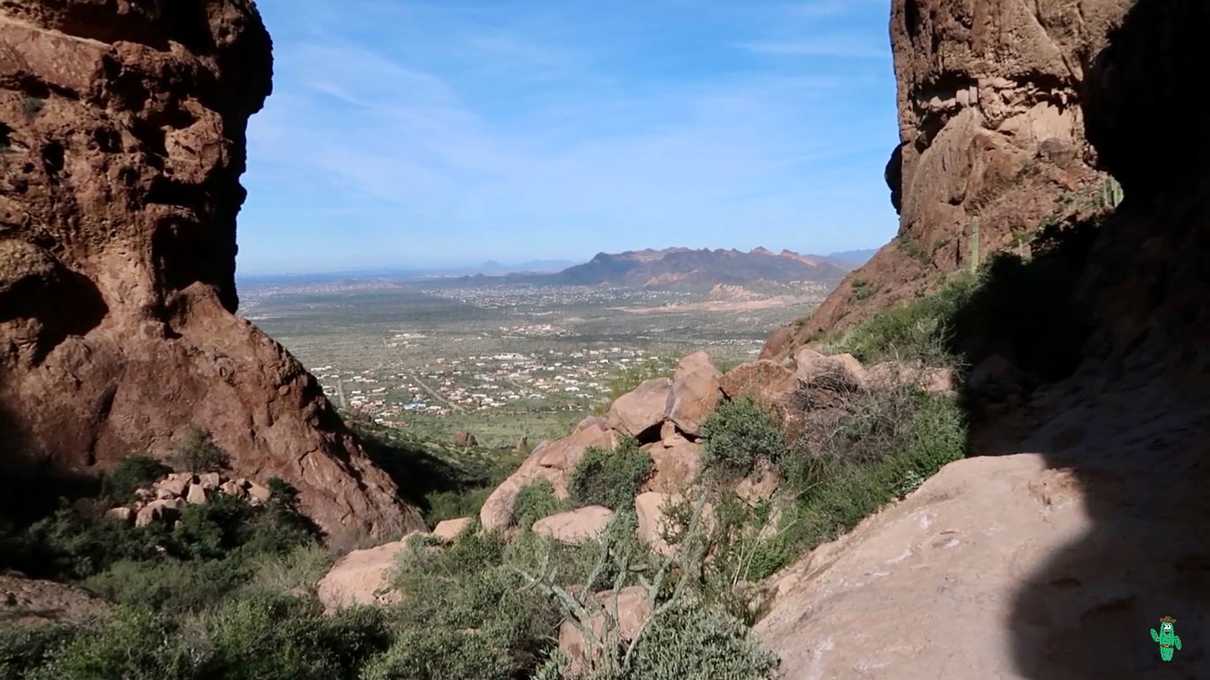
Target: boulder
{"x":1003,"y":551}
{"x":695,"y":392}
{"x":209,"y":480}
{"x":839,"y":371}
{"x":258,"y":493}
{"x":650,"y":507}
{"x":465,"y":439}
{"x":575,"y":526}
{"x":196,"y":495}
{"x":449,"y":529}
{"x":564,"y":454}
{"x":628,"y":609}
{"x":765,"y":381}
{"x":888,"y":374}
{"x":173,"y":485}
{"x":123,"y":515}
{"x":233,"y":488}
{"x":641,"y":409}
{"x":995,"y":378}
{"x":362,"y":577}
{"x":676,"y":467}
{"x":159,"y":511}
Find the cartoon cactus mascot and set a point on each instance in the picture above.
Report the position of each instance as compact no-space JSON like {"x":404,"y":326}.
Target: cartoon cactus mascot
{"x":1167,"y":637}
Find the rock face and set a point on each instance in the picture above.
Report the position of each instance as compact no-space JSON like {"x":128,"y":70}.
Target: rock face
{"x":992,"y":143}
{"x":121,"y":146}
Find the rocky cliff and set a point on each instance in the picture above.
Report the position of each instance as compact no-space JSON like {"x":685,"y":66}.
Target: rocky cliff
{"x":1054,"y":562}
{"x":992,"y":143}
{"x":121,"y":145}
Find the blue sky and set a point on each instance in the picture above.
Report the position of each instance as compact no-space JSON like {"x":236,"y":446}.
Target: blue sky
{"x":439,"y":133}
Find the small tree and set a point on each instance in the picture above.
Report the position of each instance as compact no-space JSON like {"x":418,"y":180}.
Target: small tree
{"x":198,"y":453}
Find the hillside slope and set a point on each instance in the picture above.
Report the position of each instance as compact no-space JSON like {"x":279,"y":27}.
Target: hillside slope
{"x":121,"y":146}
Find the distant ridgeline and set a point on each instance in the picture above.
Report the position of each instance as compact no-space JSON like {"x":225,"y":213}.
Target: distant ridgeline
{"x":689,"y":268}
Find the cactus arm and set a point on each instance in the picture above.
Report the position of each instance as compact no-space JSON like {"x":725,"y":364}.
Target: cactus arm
{"x":1176,"y":640}
{"x":1155,"y":637}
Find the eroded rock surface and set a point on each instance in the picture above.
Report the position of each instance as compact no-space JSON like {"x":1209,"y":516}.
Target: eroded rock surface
{"x":121,"y":145}
{"x":992,"y":143}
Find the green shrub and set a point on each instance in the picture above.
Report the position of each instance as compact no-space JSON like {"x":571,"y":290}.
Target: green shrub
{"x":689,"y":643}
{"x":198,"y":453}
{"x":277,"y":637}
{"x":132,"y":473}
{"x":917,"y":330}
{"x":132,"y":644}
{"x":24,"y":649}
{"x":169,"y":584}
{"x":737,"y":434}
{"x":67,"y":545}
{"x":533,"y":502}
{"x":855,"y":476}
{"x":610,"y":478}
{"x":442,"y":654}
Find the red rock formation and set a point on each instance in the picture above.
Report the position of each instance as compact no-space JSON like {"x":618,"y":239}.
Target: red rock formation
{"x":121,"y":144}
{"x":992,"y":143}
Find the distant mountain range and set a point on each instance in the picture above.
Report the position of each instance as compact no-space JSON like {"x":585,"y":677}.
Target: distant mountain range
{"x":690,"y":269}
{"x":668,"y":268}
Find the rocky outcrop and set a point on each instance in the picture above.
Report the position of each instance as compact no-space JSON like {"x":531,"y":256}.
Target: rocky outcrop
{"x":121,"y":146}
{"x":1051,"y":564}
{"x":992,"y":144}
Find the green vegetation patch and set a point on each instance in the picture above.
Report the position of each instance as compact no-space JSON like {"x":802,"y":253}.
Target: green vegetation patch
{"x":610,"y":478}
{"x":739,"y":433}
{"x":854,"y":476}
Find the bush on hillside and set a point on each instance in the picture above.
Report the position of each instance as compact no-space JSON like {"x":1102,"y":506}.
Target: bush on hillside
{"x":24,"y":649}
{"x":919,"y":330}
{"x":535,"y":501}
{"x":610,"y":478}
{"x":737,"y":434}
{"x":198,"y":453}
{"x":134,"y":472}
